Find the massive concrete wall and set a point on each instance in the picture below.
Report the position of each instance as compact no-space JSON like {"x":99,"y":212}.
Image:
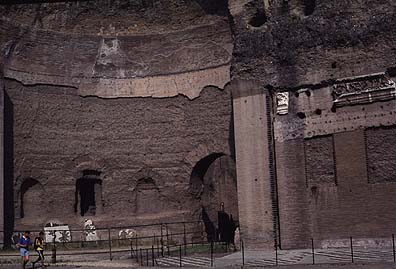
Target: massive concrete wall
{"x":68,"y":64}
{"x":335,"y":59}
{"x":335,"y":163}
{"x":306,"y":48}
{"x":125,"y":61}
{"x":58,"y":134}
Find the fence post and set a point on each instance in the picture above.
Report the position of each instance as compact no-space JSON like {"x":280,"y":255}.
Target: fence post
{"x":131,"y":249}
{"x":313,"y":251}
{"x":141,"y":257}
{"x":111,"y":256}
{"x":53,"y":256}
{"x":211,"y":253}
{"x":350,"y":239}
{"x":162,"y":241}
{"x":147,"y":257}
{"x":180,"y":255}
{"x":202,"y":233}
{"x":158,"y":248}
{"x":136,"y":241}
{"x":152,"y":254}
{"x":185,"y":238}
{"x":393,"y":247}
{"x":276,"y":254}
{"x":243,"y":253}
{"x":167,"y":238}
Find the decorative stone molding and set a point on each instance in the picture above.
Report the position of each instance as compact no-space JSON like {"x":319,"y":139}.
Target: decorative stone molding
{"x":364,"y":90}
{"x":282,"y":103}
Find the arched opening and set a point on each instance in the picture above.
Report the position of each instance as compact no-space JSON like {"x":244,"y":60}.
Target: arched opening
{"x":148,"y":198}
{"x":213,"y":183}
{"x":199,"y":171}
{"x":31,"y":198}
{"x":88,"y":193}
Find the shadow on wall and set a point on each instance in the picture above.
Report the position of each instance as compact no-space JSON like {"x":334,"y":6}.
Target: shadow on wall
{"x":8,"y":169}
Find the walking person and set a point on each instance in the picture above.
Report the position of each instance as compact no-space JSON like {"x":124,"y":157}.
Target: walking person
{"x":23,"y":244}
{"x":39,"y":248}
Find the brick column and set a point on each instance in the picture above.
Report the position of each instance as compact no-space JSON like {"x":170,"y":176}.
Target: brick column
{"x":253,"y":164}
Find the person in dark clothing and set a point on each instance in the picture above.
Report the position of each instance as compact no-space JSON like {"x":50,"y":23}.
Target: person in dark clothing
{"x":210,"y":228}
{"x":224,"y":222}
{"x":233,"y":227}
{"x":23,"y":244}
{"x":39,"y":248}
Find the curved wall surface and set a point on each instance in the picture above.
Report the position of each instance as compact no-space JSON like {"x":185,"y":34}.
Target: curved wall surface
{"x":116,"y":63}
{"x":66,"y":67}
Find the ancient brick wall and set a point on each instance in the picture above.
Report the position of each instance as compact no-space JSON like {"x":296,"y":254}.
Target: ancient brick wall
{"x":335,"y":164}
{"x":334,"y":59}
{"x":80,"y":118}
{"x":117,"y":59}
{"x":381,"y":157}
{"x":306,"y":163}
{"x":58,"y":135}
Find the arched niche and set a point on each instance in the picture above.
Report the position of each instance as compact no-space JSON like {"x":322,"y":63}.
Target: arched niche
{"x":31,"y":198}
{"x":88,"y":194}
{"x":147,"y":196}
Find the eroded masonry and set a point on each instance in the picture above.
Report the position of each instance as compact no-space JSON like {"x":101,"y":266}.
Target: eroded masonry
{"x":131,"y":112}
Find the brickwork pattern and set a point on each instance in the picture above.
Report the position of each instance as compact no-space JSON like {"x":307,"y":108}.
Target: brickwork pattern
{"x":58,"y":134}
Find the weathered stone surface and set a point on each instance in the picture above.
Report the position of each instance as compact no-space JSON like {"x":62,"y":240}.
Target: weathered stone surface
{"x":59,"y":134}
{"x":336,"y":63}
{"x":181,"y":60}
{"x":252,"y":156}
{"x":116,"y":100}
{"x":381,"y":157}
{"x":296,"y":46}
{"x":119,"y":17}
{"x":319,"y":161}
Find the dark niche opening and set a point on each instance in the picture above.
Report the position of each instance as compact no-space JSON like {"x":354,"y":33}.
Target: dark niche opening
{"x":258,"y":19}
{"x":309,"y":7}
{"x":301,"y":115}
{"x":88,"y":193}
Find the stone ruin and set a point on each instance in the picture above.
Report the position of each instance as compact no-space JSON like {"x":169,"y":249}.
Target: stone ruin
{"x":131,"y":112}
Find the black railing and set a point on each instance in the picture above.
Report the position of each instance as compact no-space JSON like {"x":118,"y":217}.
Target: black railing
{"x":173,"y":243}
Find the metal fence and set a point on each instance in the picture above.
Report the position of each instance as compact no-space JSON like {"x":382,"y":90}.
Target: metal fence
{"x":113,"y":241}
{"x":347,"y":251}
{"x":185,"y":244}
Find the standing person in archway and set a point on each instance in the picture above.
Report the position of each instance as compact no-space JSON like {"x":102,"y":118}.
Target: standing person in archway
{"x":223,"y":222}
{"x":23,"y":244}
